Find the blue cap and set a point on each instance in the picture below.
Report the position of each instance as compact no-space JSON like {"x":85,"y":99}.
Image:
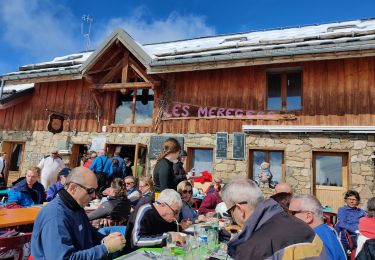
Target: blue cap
{"x":65,"y":172}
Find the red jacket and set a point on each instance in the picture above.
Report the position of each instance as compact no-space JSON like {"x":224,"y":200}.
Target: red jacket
{"x":209,"y":203}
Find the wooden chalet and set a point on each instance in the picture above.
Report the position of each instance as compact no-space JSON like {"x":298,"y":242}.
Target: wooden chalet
{"x":300,"y":98}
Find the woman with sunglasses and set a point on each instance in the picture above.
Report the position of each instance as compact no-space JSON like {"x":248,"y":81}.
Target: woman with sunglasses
{"x":185,"y":189}
{"x":118,"y":205}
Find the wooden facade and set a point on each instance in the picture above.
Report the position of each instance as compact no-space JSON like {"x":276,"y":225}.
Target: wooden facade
{"x":335,"y":92}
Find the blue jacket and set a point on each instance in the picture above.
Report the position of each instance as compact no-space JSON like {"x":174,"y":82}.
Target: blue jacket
{"x":61,"y":233}
{"x":108,"y":166}
{"x":99,"y":163}
{"x":21,"y":195}
{"x":53,"y":189}
{"x":331,"y":242}
{"x":348,"y":218}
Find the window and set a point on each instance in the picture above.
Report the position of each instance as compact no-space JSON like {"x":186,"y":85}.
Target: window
{"x":134,"y":106}
{"x":275,"y":158}
{"x":284,"y":91}
{"x":201,"y":159}
{"x":330,"y":169}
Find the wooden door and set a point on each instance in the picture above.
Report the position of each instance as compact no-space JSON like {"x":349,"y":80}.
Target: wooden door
{"x":140,"y":154}
{"x":330,"y":178}
{"x":14,"y":157}
{"x":74,"y":157}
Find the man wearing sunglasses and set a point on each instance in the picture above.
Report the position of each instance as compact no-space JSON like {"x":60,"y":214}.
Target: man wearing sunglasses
{"x":150,"y":223}
{"x":62,"y":229}
{"x":268,"y":232}
{"x":309,"y":209}
{"x":50,"y":165}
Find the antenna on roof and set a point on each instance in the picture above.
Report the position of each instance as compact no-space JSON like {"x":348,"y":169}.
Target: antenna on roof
{"x":86,"y":29}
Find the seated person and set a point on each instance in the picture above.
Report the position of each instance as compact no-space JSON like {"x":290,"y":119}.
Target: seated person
{"x":149,"y":224}
{"x":210,"y":202}
{"x":348,"y":218}
{"x":283,"y":198}
{"x":184,"y":188}
{"x":215,"y":186}
{"x":146,"y":187}
{"x":133,"y":193}
{"x":53,"y":189}
{"x":309,"y":209}
{"x":366,"y":225}
{"x":117,"y":207}
{"x":28,"y":191}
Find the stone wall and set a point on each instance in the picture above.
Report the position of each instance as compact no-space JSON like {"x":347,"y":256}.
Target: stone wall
{"x":298,"y":153}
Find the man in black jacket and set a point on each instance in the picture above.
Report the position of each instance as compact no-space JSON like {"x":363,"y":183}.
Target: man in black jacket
{"x":268,"y":232}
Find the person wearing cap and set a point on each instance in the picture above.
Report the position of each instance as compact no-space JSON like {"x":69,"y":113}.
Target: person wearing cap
{"x":53,"y":189}
{"x":50,"y":165}
{"x":178,"y":167}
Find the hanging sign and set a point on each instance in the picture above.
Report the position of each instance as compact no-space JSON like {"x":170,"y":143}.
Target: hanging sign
{"x":55,"y":123}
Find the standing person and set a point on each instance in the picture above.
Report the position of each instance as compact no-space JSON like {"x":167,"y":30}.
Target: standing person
{"x":309,"y":209}
{"x":164,"y":177}
{"x":128,"y":165}
{"x":98,"y":167}
{"x":53,"y":189}
{"x":348,"y":218}
{"x":28,"y":191}
{"x":88,"y":163}
{"x":62,"y":229}
{"x":50,"y":165}
{"x":268,"y":232}
{"x":178,"y":167}
{"x":2,"y":169}
{"x":108,"y":168}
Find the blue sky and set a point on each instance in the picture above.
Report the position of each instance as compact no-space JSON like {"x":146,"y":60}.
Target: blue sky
{"x":33,"y":31}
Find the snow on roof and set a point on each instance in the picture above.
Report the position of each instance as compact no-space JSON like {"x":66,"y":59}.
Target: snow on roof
{"x":195,"y":50}
{"x":223,"y":44}
{"x":17,"y":87}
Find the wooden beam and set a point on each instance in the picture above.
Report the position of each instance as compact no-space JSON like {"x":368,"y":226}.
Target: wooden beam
{"x":125,"y":67}
{"x":109,"y":76}
{"x":141,"y":72}
{"x":15,"y":101}
{"x":119,"y":86}
{"x":108,"y":61}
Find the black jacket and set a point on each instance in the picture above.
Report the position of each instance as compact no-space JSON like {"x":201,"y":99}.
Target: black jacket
{"x":116,"y":208}
{"x":368,"y":250}
{"x":164,"y":177}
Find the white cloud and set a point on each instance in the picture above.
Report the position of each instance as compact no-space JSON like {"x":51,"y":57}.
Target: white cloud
{"x":174,"y":27}
{"x":40,"y":28}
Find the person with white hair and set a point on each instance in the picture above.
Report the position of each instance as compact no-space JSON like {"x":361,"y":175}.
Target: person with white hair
{"x":268,"y":232}
{"x":50,"y":165}
{"x":309,"y":209}
{"x":150,"y":223}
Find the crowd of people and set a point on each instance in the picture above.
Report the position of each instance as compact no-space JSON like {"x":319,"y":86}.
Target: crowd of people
{"x":142,"y":211}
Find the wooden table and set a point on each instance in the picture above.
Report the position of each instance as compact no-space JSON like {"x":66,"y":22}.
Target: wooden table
{"x":17,"y":217}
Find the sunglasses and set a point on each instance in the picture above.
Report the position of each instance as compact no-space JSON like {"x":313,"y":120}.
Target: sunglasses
{"x":187,"y":191}
{"x":294,"y":212}
{"x":88,"y":190}
{"x":229,"y":211}
{"x":128,"y":183}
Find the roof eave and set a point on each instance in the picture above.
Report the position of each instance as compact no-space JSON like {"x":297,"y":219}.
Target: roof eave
{"x":49,"y":76}
{"x":261,"y":57}
{"x":127,"y":41}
